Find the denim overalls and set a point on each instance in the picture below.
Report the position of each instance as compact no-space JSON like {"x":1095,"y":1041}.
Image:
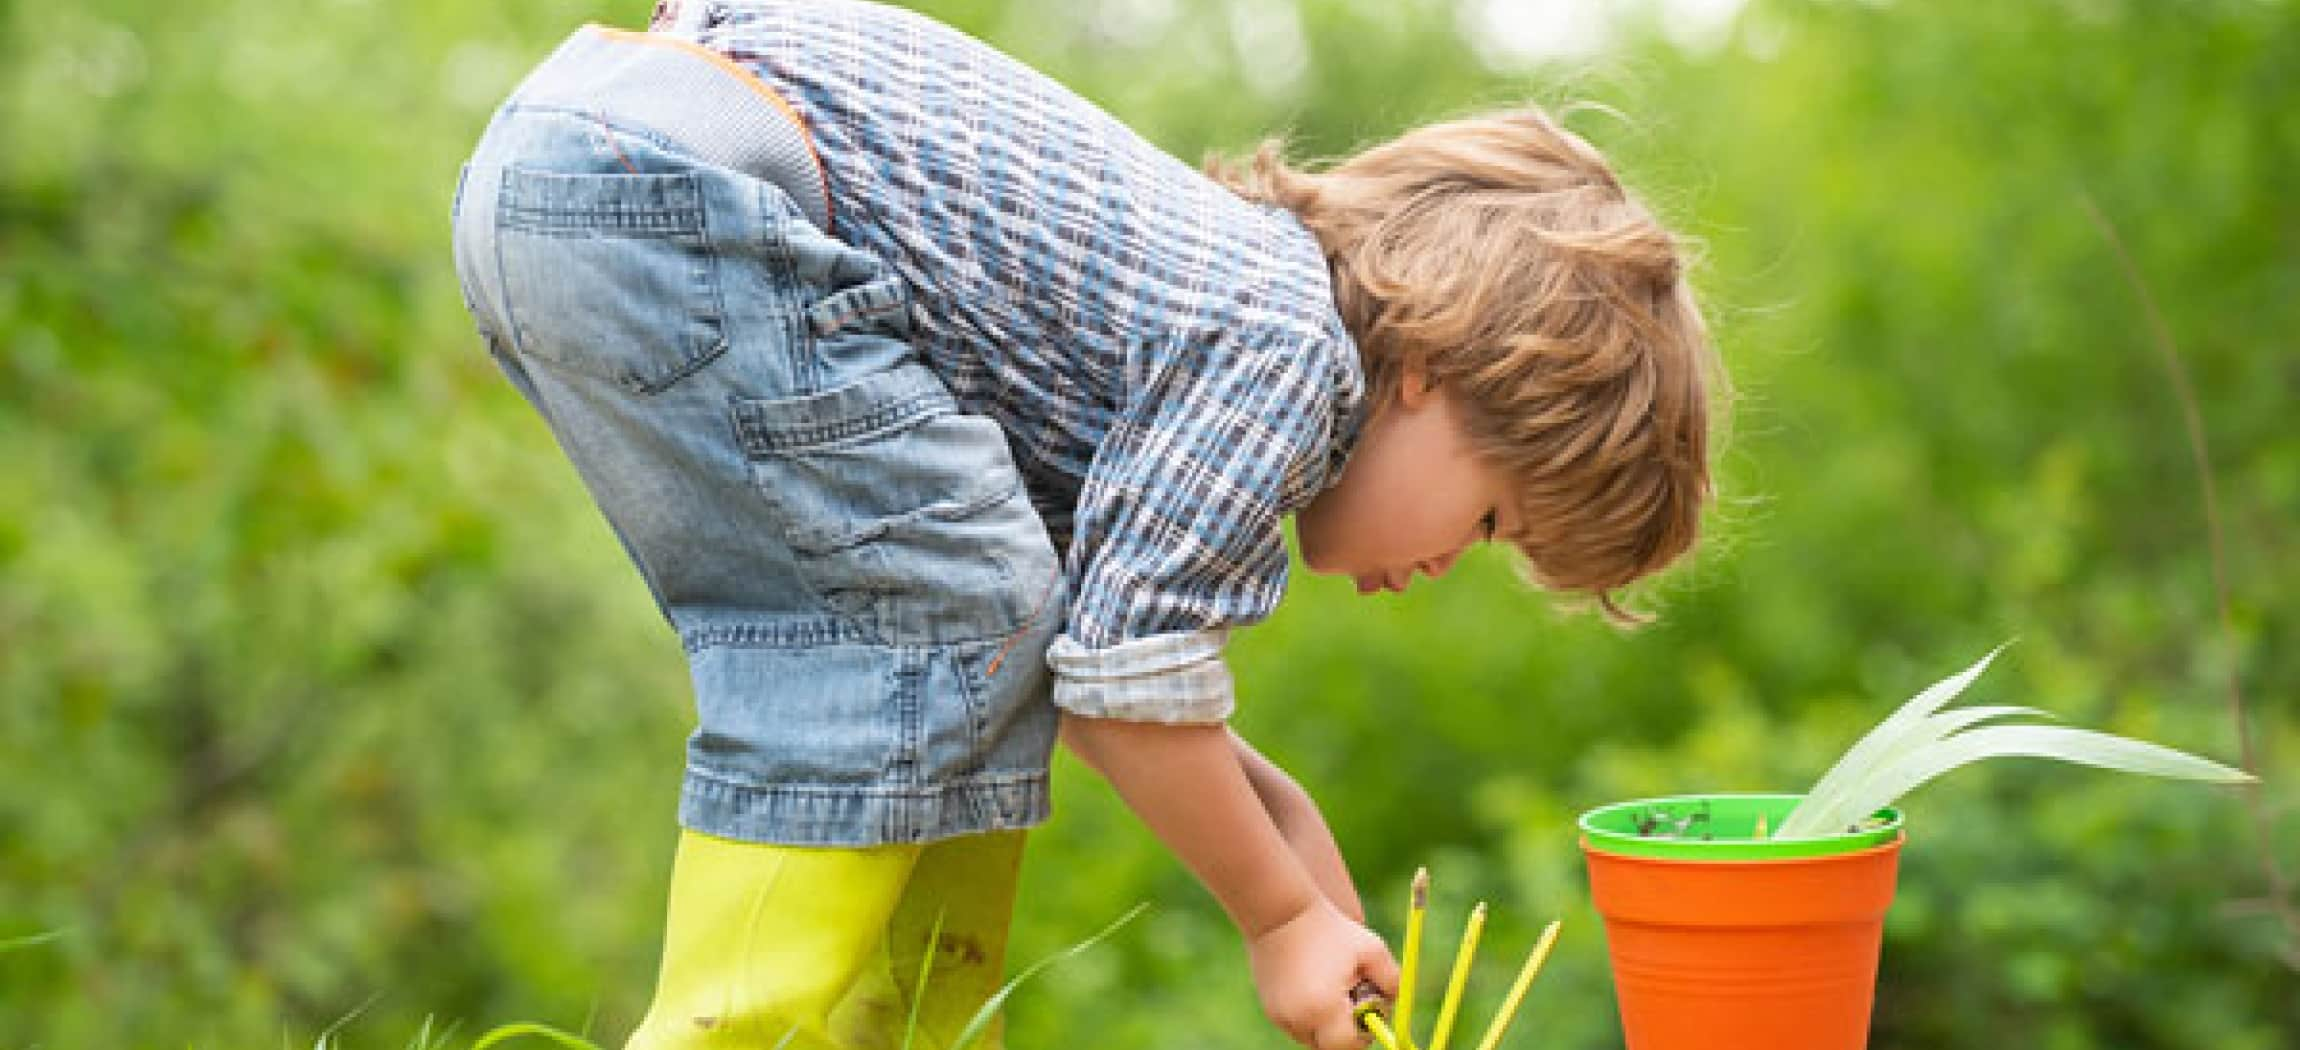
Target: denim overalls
{"x":863,"y":590}
{"x":859,"y":580}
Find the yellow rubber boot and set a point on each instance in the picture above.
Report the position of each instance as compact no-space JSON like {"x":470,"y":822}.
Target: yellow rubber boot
{"x":767,"y":943}
{"x":969,"y":882}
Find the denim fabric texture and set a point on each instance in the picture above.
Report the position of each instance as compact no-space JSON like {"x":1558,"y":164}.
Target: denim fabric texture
{"x":862,"y":586}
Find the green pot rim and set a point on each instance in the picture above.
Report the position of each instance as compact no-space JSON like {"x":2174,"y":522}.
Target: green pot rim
{"x":1605,"y":829}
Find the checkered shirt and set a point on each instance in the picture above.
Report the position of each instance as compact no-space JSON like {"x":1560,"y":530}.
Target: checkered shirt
{"x":1164,"y":357}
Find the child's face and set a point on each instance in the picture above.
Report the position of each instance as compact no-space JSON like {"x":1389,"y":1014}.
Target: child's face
{"x":1411,"y":498}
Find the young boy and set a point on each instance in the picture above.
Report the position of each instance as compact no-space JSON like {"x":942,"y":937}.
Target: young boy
{"x":940,"y":412}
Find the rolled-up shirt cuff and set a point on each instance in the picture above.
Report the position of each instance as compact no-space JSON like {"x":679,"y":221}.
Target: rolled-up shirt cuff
{"x":1177,"y":678}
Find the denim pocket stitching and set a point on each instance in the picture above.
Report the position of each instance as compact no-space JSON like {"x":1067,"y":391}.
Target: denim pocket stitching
{"x":766,"y":439}
{"x":681,"y":211}
{"x":665,"y":381}
{"x":862,"y":552}
{"x":881,"y":401}
{"x":825,"y":542}
{"x":666,"y":207}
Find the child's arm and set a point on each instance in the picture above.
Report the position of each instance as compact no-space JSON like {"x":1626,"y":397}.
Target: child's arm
{"x":1188,"y":785}
{"x":1297,"y":817}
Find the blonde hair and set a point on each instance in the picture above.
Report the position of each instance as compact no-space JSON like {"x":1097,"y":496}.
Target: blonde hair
{"x":1500,"y":257}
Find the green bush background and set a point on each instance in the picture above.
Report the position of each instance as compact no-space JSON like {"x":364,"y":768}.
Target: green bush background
{"x":324,"y":693}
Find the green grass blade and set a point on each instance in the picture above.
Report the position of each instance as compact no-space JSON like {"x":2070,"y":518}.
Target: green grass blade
{"x":30,"y":940}
{"x":428,"y":1039}
{"x":925,"y":970}
{"x":503,"y":1033}
{"x":990,"y":1007}
{"x":326,"y":1039}
{"x":569,"y":1039}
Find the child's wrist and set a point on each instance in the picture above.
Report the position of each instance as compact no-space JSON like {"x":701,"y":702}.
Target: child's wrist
{"x":1257,"y":919}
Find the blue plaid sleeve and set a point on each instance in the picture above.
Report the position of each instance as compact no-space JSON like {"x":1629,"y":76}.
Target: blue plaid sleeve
{"x":1164,"y":355}
{"x":1179,"y":528}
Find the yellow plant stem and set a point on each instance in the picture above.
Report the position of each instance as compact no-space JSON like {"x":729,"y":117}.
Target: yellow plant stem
{"x":1410,"y":969}
{"x":1517,"y":990}
{"x":1461,"y":961}
{"x":1371,"y":1018}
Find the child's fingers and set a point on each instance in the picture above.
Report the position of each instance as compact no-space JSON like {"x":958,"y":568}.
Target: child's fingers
{"x":1377,"y":965}
{"x":1340,"y":1033}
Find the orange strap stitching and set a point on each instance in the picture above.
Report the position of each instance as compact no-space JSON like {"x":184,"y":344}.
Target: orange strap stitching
{"x":1035,"y":613}
{"x":748,"y":78}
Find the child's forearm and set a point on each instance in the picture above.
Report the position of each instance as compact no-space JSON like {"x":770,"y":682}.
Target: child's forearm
{"x":1186,"y":784}
{"x":1304,"y":828}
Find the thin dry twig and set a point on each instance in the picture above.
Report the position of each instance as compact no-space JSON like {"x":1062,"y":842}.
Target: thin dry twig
{"x":2280,"y":897}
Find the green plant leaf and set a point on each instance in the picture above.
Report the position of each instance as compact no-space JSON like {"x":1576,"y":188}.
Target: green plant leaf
{"x":1831,"y":814}
{"x":1811,"y":817}
{"x":1934,"y":729}
{"x":1919,"y":742}
{"x":2084,"y":746}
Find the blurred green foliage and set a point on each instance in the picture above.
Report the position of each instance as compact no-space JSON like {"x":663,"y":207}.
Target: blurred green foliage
{"x":324,"y":693}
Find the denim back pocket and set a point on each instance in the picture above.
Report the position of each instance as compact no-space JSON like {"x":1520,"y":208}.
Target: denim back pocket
{"x":610,"y":275}
{"x":903,"y":511}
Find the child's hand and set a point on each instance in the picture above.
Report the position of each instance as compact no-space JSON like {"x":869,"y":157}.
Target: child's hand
{"x":1305,"y":968}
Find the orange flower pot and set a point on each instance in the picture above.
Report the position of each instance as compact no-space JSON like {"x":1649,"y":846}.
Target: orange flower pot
{"x":1739,"y":953}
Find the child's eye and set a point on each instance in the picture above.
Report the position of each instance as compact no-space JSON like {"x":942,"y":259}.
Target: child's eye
{"x":1492,"y":517}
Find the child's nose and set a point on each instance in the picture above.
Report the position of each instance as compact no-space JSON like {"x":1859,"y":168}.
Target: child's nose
{"x":1440,"y":566}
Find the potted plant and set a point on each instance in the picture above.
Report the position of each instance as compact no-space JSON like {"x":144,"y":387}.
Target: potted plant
{"x":1755,"y":921}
